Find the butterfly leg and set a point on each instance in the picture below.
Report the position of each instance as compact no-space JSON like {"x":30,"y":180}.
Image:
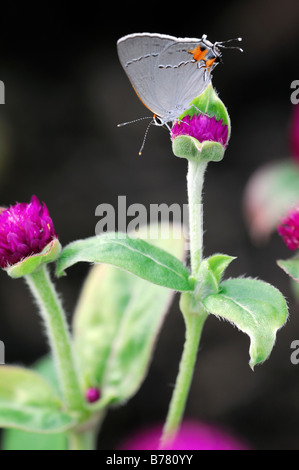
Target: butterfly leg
{"x":168,"y":127}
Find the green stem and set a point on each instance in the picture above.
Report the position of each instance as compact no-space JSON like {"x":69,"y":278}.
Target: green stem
{"x":58,"y":333}
{"x":193,"y":313}
{"x":194,"y":325}
{"x":82,"y":441}
{"x":195,"y":179}
{"x":85,"y":437}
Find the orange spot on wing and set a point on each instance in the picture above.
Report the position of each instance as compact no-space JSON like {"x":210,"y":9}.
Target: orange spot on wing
{"x":198,"y":53}
{"x":210,"y":62}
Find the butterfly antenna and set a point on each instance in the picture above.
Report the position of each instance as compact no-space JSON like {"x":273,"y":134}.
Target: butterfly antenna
{"x":145,"y":136}
{"x":132,"y":122}
{"x":222,"y":44}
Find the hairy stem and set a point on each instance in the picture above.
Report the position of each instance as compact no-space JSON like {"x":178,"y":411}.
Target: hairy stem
{"x":195,"y":179}
{"x":58,"y":334}
{"x":194,"y":325}
{"x":194,"y":315}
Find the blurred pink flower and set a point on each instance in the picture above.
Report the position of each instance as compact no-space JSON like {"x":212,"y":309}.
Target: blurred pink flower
{"x":289,"y":229}
{"x":273,"y":189}
{"x":269,"y":193}
{"x":192,"y":436}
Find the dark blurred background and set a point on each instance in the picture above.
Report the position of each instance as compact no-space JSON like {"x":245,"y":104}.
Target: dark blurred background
{"x":65,"y":93}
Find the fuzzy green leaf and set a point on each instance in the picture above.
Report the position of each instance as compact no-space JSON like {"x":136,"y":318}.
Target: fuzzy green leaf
{"x":210,"y":273}
{"x":29,"y":403}
{"x":131,"y":254}
{"x":116,"y":325}
{"x":255,"y":307}
{"x":291,"y":267}
{"x":15,"y":439}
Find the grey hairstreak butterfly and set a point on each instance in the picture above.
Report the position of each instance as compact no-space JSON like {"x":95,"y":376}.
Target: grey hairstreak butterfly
{"x":166,"y":72}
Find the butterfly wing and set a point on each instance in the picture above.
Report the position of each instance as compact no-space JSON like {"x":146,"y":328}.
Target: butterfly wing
{"x":139,"y":56}
{"x":163,"y":71}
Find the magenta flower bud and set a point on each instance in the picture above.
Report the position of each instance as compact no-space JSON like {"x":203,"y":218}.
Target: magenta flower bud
{"x":202,"y":132}
{"x":26,"y":229}
{"x":203,"y":128}
{"x":92,"y":395}
{"x":289,"y":229}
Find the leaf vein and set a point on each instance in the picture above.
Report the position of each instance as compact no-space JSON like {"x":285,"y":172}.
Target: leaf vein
{"x":242,"y":307}
{"x":149,"y":257}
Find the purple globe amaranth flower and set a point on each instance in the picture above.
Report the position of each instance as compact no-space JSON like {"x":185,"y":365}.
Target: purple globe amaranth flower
{"x":203,"y":128}
{"x":289,"y":229}
{"x":25,"y":229}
